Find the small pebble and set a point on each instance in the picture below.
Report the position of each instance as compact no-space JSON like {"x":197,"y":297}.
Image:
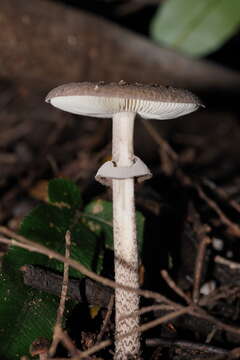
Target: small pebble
{"x":217,"y":244}
{"x":208,"y":287}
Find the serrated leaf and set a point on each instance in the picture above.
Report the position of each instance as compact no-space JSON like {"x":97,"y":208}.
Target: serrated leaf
{"x":98,"y":217}
{"x":64,"y":193}
{"x":196,"y":27}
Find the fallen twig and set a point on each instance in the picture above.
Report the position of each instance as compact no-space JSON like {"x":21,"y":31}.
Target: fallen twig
{"x":27,"y":244}
{"x":58,"y":333}
{"x":233,"y":228}
{"x":221,"y":293}
{"x":141,"y":329}
{"x":92,"y":292}
{"x":174,"y":287}
{"x":193,"y":309}
{"x":187,"y":345}
{"x":204,"y":240}
{"x":106,"y":319}
{"x":197,"y":311}
{"x":222,"y":194}
{"x":229,"y":263}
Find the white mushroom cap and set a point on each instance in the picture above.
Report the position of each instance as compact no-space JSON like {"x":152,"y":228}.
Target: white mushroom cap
{"x":107,"y":99}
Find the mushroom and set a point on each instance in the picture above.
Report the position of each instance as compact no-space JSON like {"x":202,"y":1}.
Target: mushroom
{"x":122,"y":102}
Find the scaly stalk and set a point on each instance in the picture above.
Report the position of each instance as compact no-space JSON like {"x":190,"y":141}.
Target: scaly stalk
{"x":125,"y":241}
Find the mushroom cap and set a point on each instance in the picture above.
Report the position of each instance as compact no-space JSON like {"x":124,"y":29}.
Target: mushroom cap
{"x":100,"y":99}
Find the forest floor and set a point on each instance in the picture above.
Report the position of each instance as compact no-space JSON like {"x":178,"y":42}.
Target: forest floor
{"x":191,"y":207}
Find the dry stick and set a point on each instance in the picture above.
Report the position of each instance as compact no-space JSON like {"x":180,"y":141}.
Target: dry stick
{"x":24,"y":243}
{"x":234,"y":229}
{"x":57,"y":333}
{"x":86,"y":353}
{"x":167,"y":155}
{"x":188,"y":345}
{"x":230,"y":355}
{"x":200,"y":313}
{"x":196,"y":311}
{"x":221,"y":293}
{"x":222,"y":194}
{"x":141,"y":329}
{"x":174,"y":287}
{"x":229,"y":263}
{"x":106,"y":319}
{"x":204,"y":242}
{"x":50,"y":282}
{"x":211,"y":335}
{"x":68,"y":343}
{"x":151,"y":324}
{"x":201,"y":231}
{"x":171,"y":283}
{"x":30,"y":245}
{"x":159,"y":140}
{"x":146,"y":293}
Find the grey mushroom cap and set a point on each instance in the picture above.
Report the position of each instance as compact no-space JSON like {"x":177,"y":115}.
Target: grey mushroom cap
{"x":101,"y":99}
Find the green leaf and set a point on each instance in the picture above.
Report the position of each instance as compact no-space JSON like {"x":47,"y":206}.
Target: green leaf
{"x":98,"y":217}
{"x":140,"y":220}
{"x":86,"y":248}
{"x":196,"y":27}
{"x":25,"y":313}
{"x":47,"y":224}
{"x":64,"y":193}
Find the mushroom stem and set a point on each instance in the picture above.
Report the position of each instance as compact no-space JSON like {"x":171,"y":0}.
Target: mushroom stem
{"x":125,"y":241}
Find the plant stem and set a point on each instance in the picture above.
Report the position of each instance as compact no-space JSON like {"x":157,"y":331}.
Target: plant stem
{"x":125,"y":241}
